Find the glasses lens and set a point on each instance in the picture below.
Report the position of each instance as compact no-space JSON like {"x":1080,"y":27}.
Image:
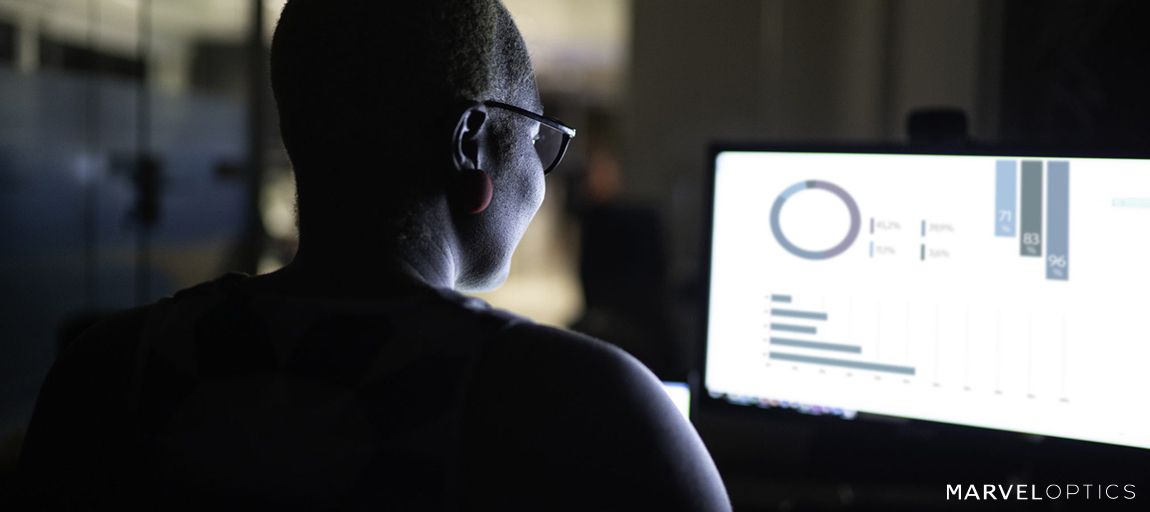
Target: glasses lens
{"x":548,"y":145}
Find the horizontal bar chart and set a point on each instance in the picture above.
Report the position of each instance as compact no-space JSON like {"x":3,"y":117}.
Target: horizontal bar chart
{"x":842,"y":363}
{"x":816,"y":345}
{"x":794,"y":313}
{"x":804,"y":329}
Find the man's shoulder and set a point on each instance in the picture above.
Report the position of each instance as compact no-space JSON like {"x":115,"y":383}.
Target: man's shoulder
{"x":562,"y":410}
{"x":112,"y":334}
{"x":564,"y":382}
{"x":534,"y":336}
{"x":115,"y":334}
{"x":559,"y":353}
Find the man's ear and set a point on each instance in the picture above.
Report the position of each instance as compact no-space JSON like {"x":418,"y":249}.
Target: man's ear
{"x":471,"y":189}
{"x":467,"y":137}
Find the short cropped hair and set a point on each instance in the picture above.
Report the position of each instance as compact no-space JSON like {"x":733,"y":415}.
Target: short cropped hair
{"x":360,"y":81}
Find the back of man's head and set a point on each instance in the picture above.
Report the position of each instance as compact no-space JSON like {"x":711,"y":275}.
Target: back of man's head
{"x":364,"y":87}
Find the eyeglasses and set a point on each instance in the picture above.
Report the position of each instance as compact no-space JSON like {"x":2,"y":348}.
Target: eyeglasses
{"x":553,"y":139}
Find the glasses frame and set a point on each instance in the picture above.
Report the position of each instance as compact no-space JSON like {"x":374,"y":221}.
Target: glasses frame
{"x":567,"y":132}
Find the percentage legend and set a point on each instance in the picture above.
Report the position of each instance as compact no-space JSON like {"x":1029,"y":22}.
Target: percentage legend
{"x":887,"y":225}
{"x":940,"y":228}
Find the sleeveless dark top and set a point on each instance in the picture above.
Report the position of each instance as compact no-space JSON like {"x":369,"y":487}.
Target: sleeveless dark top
{"x":260,"y":401}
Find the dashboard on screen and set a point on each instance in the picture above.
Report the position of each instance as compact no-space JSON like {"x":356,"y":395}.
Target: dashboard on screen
{"x":995,"y":291}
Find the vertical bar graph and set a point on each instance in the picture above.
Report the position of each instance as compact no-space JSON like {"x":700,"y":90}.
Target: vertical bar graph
{"x":1005,"y":198}
{"x":1058,"y":220}
{"x":1031,"y":229}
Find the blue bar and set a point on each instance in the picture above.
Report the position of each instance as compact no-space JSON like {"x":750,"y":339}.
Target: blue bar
{"x":924,"y":227}
{"x":816,"y":345}
{"x":844,"y":363}
{"x":1058,"y":220}
{"x":793,"y":328}
{"x":781,"y":298}
{"x":810,"y":315}
{"x":1005,"y":198}
{"x":1030,"y":240}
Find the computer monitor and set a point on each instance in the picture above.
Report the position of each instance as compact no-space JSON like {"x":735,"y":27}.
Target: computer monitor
{"x":1001,"y":290}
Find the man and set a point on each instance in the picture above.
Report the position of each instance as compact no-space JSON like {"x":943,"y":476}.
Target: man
{"x":356,"y":377}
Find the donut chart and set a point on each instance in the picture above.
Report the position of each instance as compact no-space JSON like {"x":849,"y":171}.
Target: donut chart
{"x":842,"y":246}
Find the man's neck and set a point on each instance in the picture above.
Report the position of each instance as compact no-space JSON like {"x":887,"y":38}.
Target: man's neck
{"x":362,"y":270}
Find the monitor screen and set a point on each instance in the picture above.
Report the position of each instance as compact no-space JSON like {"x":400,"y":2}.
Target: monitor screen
{"x":995,"y":291}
